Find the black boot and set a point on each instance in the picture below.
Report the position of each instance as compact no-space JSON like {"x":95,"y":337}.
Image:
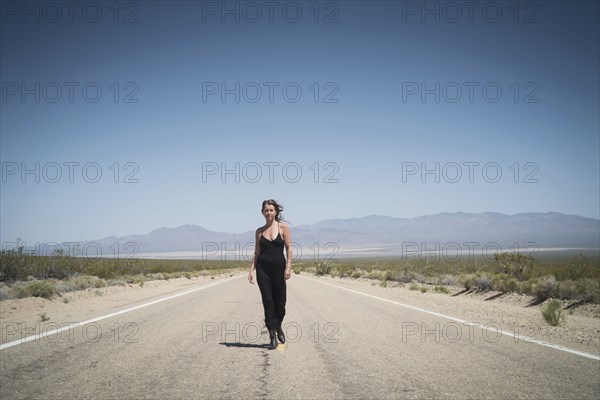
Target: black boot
{"x":280,"y":334}
{"x":273,"y":337}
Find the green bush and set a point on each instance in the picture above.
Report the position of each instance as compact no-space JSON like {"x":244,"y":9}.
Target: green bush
{"x":483,"y":283}
{"x":469,"y":281}
{"x":16,"y":265}
{"x":139,"y":280}
{"x":525,"y":287}
{"x":403,"y":277}
{"x":545,"y":288}
{"x":504,"y":283}
{"x":588,"y":290}
{"x":389,"y":276}
{"x":552,"y":313}
{"x":579,"y":267}
{"x":448,"y":280}
{"x":583,"y":289}
{"x":568,"y":290}
{"x":375,"y":274}
{"x":441,"y":289}
{"x":43,"y":289}
{"x":82,"y":282}
{"x":515,"y":264}
{"x":323,"y":268}
{"x":356,"y":274}
{"x":477,"y":281}
{"x":343,"y":270}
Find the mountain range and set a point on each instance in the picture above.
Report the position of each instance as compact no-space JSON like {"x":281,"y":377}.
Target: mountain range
{"x":544,"y":230}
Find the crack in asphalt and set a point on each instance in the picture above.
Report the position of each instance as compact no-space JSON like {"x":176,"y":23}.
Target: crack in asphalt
{"x":262,"y":379}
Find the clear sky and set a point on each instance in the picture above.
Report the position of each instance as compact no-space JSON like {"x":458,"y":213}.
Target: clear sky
{"x":122,"y":119}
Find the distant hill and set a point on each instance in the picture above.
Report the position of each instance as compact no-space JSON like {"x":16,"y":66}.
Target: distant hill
{"x":544,"y":229}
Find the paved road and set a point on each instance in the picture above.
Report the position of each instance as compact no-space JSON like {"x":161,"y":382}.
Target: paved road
{"x":211,"y":344}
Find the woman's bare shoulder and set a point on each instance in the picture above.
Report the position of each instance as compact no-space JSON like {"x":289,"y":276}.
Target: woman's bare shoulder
{"x":284,"y":226}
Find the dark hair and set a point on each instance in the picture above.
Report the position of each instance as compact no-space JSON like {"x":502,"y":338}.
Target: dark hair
{"x":278,"y":208}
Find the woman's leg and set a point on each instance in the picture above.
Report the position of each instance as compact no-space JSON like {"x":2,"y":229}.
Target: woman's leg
{"x":279,"y":297}
{"x":266,"y":291}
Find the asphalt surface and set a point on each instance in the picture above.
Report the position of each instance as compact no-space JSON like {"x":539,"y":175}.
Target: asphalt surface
{"x":212,"y":344}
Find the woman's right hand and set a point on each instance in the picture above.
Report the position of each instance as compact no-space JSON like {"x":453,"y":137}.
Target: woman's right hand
{"x":250,"y":278}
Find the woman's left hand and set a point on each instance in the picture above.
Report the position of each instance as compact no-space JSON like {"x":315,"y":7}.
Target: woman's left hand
{"x":288,"y":273}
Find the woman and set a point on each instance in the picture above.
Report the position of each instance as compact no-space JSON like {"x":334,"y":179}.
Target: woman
{"x":272,"y":269}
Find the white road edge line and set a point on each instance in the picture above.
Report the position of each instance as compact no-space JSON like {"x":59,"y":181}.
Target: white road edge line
{"x":478,"y":325}
{"x":89,"y":321}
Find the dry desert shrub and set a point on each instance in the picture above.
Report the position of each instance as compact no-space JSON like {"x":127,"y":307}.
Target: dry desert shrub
{"x":553,"y":313}
{"x":504,"y":283}
{"x":545,"y":288}
{"x":43,"y":289}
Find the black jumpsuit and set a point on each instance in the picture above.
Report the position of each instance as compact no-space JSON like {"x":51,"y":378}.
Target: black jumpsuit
{"x":270,"y":268}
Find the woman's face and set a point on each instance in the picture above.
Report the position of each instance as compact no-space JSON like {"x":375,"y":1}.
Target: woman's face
{"x":269,"y":212}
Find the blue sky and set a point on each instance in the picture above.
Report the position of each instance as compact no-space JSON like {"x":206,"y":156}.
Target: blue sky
{"x":378,"y":104}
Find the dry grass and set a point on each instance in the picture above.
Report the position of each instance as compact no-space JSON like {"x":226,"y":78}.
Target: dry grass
{"x":576,"y":278}
{"x":25,"y":275}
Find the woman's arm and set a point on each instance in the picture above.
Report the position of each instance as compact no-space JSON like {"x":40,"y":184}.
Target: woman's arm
{"x":256,"y":252}
{"x":287,"y":237}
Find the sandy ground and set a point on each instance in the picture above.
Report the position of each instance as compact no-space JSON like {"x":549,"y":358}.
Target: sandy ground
{"x":511,"y":312}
